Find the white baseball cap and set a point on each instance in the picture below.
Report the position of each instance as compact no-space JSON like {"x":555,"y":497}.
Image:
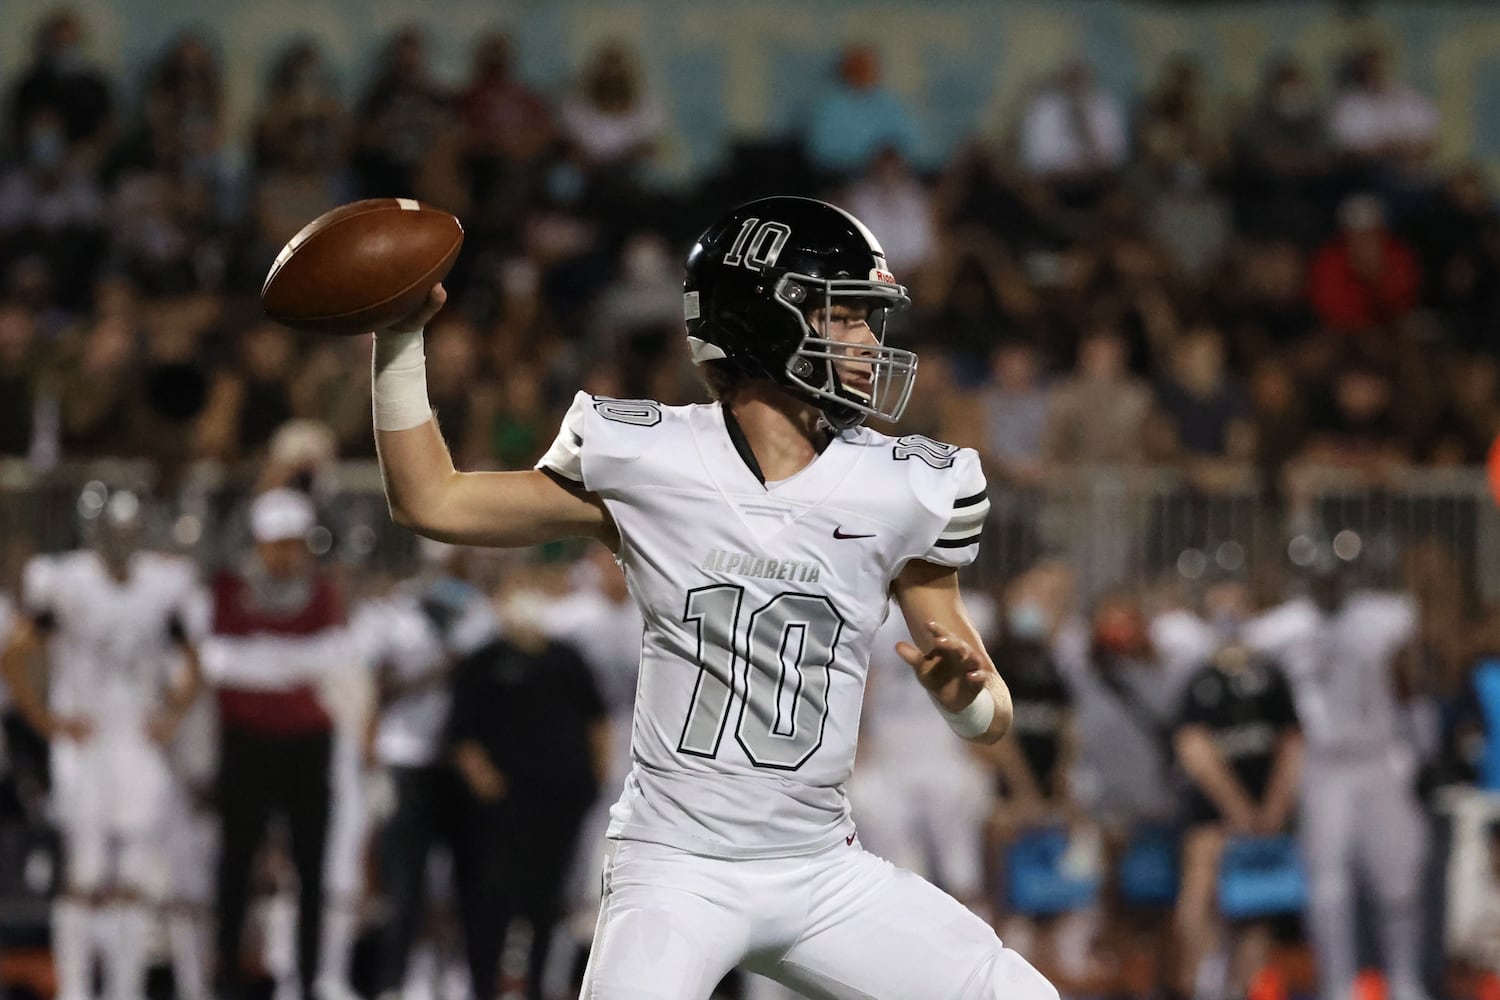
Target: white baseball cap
{"x":277,"y":515}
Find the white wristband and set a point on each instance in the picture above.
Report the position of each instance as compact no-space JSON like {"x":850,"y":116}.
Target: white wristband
{"x":399,"y":389}
{"x":974,"y":720}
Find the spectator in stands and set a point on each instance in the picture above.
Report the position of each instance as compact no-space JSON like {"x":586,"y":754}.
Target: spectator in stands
{"x":525,"y":324}
{"x":402,"y":115}
{"x":644,"y":298}
{"x":183,"y":104}
{"x":1278,"y":415}
{"x":1377,"y":120}
{"x":302,"y":119}
{"x":174,"y":190}
{"x":1073,"y":134}
{"x":1013,"y":411}
{"x":522,"y":418}
{"x":612,"y":122}
{"x":61,"y":86}
{"x":1271,"y":311}
{"x":249,"y":399}
{"x":1098,"y":414}
{"x":1457,"y":238}
{"x":978,"y":297}
{"x":893,"y":202}
{"x":327,"y":390}
{"x":1207,"y":411}
{"x":100,"y":390}
{"x":508,"y":127}
{"x":1354,"y":421}
{"x":52,"y":207}
{"x":464,"y":404}
{"x":1366,"y":277}
{"x":1185,"y":216}
{"x":855,"y":117}
{"x":277,"y":625}
{"x":1282,"y":155}
{"x":1178,"y":115}
{"x":20,"y":371}
{"x":510,"y":696}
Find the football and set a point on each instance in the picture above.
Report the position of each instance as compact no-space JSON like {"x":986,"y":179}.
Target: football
{"x":360,"y":266}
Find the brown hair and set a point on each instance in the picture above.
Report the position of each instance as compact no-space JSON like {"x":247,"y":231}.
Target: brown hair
{"x":721,"y":378}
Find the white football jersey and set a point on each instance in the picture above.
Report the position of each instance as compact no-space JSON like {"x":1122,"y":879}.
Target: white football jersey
{"x":1340,"y":665}
{"x":395,"y":633}
{"x":760,"y":605}
{"x":109,"y":651}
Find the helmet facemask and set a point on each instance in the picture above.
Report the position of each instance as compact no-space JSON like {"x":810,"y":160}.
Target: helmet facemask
{"x":814,"y":368}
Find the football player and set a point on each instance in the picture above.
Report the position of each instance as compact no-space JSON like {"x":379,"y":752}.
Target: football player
{"x":1340,"y":648}
{"x":116,"y":624}
{"x":763,"y":536}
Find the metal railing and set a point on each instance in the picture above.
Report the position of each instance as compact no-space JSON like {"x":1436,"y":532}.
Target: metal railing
{"x":1125,"y":526}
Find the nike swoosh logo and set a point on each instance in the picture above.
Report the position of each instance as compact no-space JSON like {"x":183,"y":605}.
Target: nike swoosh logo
{"x":849,"y":840}
{"x":839,"y":533}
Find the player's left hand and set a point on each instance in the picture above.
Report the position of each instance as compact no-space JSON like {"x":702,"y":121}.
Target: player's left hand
{"x":952,"y":671}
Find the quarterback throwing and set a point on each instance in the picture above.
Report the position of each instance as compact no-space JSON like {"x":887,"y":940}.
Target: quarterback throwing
{"x":763,"y":536}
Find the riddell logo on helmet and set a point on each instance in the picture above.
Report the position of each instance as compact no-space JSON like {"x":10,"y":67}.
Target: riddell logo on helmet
{"x":876,"y":274}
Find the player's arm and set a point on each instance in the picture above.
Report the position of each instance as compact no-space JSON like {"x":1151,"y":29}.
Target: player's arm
{"x":185,"y":686}
{"x":26,"y":640}
{"x":1285,"y":784}
{"x":1201,"y":759}
{"x":431,"y":497}
{"x":949,"y":657}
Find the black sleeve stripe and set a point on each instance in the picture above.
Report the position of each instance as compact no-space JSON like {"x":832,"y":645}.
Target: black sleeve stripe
{"x":970,"y":500}
{"x":577,"y":438}
{"x":956,"y":543}
{"x":561,"y":478}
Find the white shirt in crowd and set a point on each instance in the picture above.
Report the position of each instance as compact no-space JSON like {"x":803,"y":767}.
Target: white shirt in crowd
{"x":1051,"y":141}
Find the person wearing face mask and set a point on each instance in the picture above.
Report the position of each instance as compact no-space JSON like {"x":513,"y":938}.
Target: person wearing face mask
{"x":1237,"y":741}
{"x":61,"y":82}
{"x":1035,"y":793}
{"x":530,"y":740}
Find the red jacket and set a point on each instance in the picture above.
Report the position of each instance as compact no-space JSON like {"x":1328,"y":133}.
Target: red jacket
{"x":1347,"y":302}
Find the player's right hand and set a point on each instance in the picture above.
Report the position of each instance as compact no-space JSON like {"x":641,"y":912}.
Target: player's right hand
{"x":78,"y":728}
{"x":416,"y":321}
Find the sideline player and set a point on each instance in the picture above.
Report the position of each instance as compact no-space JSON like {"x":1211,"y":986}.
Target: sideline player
{"x":114,"y":621}
{"x":762,"y":535}
{"x":1359,"y":810}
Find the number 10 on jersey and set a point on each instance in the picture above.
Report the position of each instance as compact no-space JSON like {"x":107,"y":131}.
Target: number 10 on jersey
{"x":786,"y":649}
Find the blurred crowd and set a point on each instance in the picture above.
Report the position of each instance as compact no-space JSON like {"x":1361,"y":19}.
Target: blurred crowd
{"x":1279,"y":282}
{"x":1177,"y":276}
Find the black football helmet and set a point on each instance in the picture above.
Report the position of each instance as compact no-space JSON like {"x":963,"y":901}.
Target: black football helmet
{"x":754,"y":278}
